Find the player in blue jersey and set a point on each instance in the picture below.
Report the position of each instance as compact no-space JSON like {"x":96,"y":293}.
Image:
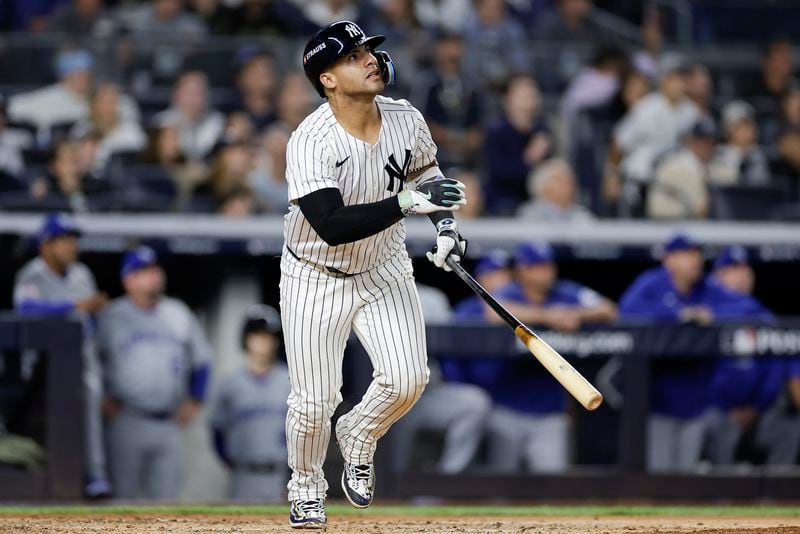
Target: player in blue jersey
{"x":746,"y":390}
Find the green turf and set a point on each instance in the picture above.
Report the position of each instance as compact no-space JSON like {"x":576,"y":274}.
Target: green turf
{"x":543,"y":510}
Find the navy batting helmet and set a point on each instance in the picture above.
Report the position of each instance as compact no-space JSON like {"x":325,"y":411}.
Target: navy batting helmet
{"x":260,"y":318}
{"x":337,"y":40}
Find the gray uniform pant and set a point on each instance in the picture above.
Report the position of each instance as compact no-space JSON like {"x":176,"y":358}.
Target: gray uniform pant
{"x":93,"y":420}
{"x":676,"y":444}
{"x":777,"y":433}
{"x":261,"y":487}
{"x":540,"y":442}
{"x":146,"y":456}
{"x":460,"y":411}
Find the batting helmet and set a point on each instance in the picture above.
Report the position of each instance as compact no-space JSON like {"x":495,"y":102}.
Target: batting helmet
{"x":260,"y":318}
{"x":337,"y":40}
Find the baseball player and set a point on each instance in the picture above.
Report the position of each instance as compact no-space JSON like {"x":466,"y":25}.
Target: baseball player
{"x":249,"y":412}
{"x":56,"y":284}
{"x":356,"y":167}
{"x":533,"y":430}
{"x":677,"y":292}
{"x":155,"y":361}
{"x":745,"y":390}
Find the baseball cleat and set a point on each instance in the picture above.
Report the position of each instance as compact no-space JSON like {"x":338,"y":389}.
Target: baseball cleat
{"x":97,"y":488}
{"x":307,"y":514}
{"x":358,"y":483}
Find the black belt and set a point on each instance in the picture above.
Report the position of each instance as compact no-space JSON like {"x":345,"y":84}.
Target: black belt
{"x":323,"y":268}
{"x":256,"y":467}
{"x":160,"y":416}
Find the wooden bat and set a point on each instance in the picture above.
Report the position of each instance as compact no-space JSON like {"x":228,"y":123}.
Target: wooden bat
{"x":574,"y":382}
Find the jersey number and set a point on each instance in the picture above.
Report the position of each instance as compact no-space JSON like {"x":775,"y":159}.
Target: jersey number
{"x":397,"y":172}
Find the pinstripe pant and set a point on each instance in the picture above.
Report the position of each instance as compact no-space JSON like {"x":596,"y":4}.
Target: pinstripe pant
{"x":318,"y":311}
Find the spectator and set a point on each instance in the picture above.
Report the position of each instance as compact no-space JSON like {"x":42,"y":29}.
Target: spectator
{"x":81,"y":17}
{"x":295,"y":100}
{"x":745,"y":390}
{"x":66,"y":183}
{"x":654,"y":126}
{"x":56,"y":284}
{"x":446,"y":16}
{"x":256,"y":84}
{"x":515,"y":145}
{"x":229,"y":173}
{"x":155,"y":361}
{"x":116,"y":132}
{"x":237,"y":203}
{"x":164,"y":150}
{"x":572,"y":21}
{"x":700,"y":89}
{"x":215,"y":15}
{"x":595,"y":85}
{"x":533,"y":429}
{"x":676,"y":292}
{"x":789,"y":118}
{"x":785,"y":168}
{"x":268,"y":179}
{"x":324,"y":12}
{"x":271,"y":17}
{"x":740,"y":160}
{"x":680,"y":187}
{"x":554,"y":191}
{"x":776,"y":77}
{"x":66,"y":101}
{"x":633,"y":87}
{"x":12,"y":143}
{"x":455,"y":410}
{"x":449,"y":103}
{"x":248,"y":414}
{"x":488,"y":58}
{"x":645,"y":61}
{"x":199,"y":127}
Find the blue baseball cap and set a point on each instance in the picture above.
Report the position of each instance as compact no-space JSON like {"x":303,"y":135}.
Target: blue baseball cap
{"x":533,"y":253}
{"x":732,"y":255}
{"x":138,"y":258}
{"x":73,"y":61}
{"x":58,"y":225}
{"x":680,"y":241}
{"x":493,"y":261}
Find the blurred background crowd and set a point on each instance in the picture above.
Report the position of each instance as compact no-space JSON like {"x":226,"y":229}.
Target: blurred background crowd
{"x":563,"y":110}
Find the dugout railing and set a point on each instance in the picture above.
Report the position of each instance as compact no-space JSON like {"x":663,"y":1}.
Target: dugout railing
{"x":46,"y":399}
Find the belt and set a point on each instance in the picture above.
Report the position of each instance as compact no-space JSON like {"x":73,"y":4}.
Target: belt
{"x":332,"y":271}
{"x":257,"y":467}
{"x":160,"y":416}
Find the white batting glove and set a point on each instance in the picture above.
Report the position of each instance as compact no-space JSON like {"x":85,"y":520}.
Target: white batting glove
{"x":448,"y":243}
{"x":434,"y":194}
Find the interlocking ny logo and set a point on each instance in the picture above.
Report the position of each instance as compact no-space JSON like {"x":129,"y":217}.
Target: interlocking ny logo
{"x":353,"y":30}
{"x":395,"y":171}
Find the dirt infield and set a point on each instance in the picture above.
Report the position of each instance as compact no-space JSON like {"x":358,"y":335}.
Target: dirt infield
{"x":102,"y":523}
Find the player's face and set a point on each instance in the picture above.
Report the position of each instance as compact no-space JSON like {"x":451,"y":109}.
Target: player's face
{"x":355,"y":74}
{"x":538,"y":277}
{"x":261,"y":346}
{"x":494,"y":280}
{"x":739,"y":278}
{"x":146,"y":283}
{"x":61,"y":251}
{"x":685,"y":265}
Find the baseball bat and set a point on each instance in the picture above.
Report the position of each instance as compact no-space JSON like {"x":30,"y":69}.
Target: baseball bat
{"x":574,"y":382}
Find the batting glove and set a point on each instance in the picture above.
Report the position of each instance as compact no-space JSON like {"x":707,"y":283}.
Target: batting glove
{"x":434,"y":194}
{"x":448,"y":243}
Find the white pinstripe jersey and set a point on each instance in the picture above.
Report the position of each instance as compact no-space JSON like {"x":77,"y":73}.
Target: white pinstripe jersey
{"x":321,"y":154}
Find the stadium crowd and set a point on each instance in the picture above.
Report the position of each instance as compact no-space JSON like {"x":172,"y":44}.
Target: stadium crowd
{"x":549,"y":110}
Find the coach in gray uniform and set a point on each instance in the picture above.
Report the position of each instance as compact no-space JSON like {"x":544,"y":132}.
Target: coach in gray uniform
{"x":55,"y":284}
{"x":249,"y":413}
{"x":155,"y":364}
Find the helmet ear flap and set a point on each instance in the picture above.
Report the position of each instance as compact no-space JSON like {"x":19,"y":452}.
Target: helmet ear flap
{"x":386,"y":66}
